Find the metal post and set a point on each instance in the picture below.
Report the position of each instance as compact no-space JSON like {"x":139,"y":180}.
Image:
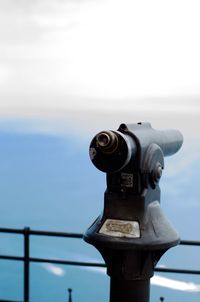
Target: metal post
{"x":129,"y":290}
{"x":26,"y":263}
{"x":70,"y":295}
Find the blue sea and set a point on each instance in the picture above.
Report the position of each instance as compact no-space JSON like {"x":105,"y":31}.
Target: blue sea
{"x":47,"y":182}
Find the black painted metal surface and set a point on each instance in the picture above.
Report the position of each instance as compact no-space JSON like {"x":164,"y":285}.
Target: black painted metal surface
{"x":133,"y":233}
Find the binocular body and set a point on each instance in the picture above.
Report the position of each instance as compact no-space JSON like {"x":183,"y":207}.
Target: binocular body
{"x":132,"y":233}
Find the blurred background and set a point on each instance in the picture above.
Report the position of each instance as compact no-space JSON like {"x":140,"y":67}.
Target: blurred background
{"x":71,"y":68}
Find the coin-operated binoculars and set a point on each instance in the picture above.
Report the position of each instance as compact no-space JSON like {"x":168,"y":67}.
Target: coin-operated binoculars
{"x":132,"y":233}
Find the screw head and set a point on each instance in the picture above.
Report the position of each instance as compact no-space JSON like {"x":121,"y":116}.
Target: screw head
{"x":157,"y":173}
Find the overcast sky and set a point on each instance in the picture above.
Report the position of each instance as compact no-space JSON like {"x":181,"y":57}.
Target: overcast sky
{"x":125,"y":59}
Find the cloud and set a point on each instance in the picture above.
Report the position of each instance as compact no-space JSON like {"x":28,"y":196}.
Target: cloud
{"x":175,"y":284}
{"x":54,"y":269}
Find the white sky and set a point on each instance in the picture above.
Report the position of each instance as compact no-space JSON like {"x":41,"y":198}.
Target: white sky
{"x":120,"y":59}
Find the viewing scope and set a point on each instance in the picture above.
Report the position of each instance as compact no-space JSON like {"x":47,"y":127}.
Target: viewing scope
{"x":111,"y":151}
{"x":132,"y":232}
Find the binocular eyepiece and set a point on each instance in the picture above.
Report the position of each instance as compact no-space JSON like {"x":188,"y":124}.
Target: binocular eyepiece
{"x":107,"y":141}
{"x":110,"y":151}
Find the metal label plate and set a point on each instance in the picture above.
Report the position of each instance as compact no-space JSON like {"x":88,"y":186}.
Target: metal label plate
{"x":127,"y":180}
{"x":120,"y":228}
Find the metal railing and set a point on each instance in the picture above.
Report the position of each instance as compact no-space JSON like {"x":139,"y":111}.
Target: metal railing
{"x":27,"y":259}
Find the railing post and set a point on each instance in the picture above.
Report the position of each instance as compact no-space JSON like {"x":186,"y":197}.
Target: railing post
{"x":70,"y":295}
{"x":26,"y":263}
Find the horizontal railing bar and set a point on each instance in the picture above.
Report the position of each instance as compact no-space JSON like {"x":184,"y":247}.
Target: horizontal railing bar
{"x":66,"y":262}
{"x":11,"y":231}
{"x":95,"y":264}
{"x":73,"y":235}
{"x":41,"y":233}
{"x":177,"y":270}
{"x":190,"y":242}
{"x":15,"y":258}
{"x":55,"y":261}
{"x":55,"y":234}
{"x":9,"y":301}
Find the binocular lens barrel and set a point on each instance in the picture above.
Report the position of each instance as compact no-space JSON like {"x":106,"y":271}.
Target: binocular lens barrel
{"x":170,"y":141}
{"x":110,"y":151}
